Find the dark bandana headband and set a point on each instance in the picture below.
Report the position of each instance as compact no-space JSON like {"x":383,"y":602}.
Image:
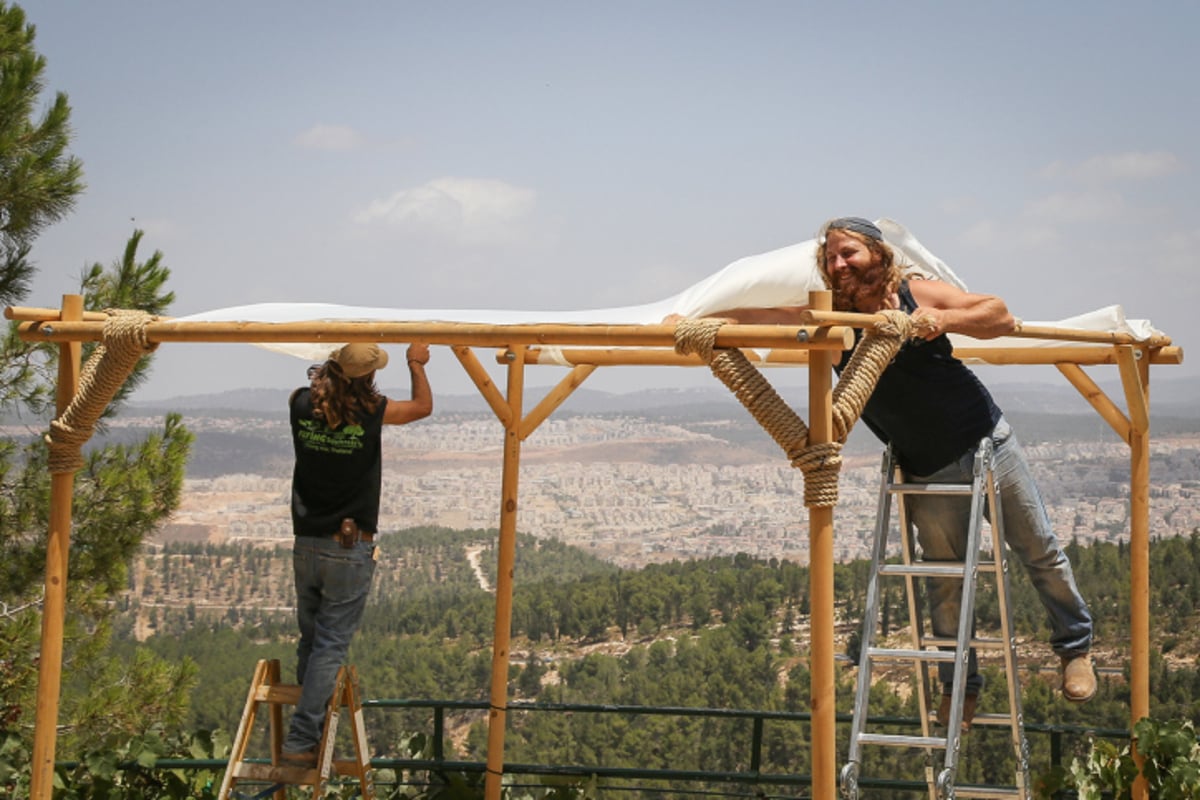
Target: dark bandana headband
{"x":858,"y":225}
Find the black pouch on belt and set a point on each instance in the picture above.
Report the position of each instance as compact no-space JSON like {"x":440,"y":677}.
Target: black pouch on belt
{"x":348,"y":534}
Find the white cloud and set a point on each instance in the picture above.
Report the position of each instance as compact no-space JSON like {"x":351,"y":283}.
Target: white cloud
{"x":990,"y":235}
{"x":1117,"y":167}
{"x":962,"y":204}
{"x":330,"y":137}
{"x":468,"y":210}
{"x":1076,"y":207}
{"x":982,"y":234}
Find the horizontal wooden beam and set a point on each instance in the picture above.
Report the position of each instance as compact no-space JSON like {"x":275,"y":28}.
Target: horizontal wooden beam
{"x":1067,"y":354}
{"x":448,"y":333}
{"x":1048,"y":332}
{"x":28,"y":314}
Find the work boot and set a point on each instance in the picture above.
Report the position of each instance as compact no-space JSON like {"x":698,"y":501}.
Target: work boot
{"x":1078,"y":678}
{"x":303,"y":758}
{"x":969,"y":703}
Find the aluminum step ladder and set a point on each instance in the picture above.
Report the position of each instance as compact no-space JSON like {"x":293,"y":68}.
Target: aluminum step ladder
{"x":927,"y":650}
{"x":266,"y":688}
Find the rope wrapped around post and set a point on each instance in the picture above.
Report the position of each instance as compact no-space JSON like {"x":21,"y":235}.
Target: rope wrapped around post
{"x":110,"y":364}
{"x":820,"y":463}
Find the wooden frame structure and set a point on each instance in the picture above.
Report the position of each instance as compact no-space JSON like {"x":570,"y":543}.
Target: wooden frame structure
{"x":584,"y":348}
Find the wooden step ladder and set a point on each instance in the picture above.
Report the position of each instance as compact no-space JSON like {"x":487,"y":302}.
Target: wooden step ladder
{"x":927,"y":650}
{"x":267,"y":688}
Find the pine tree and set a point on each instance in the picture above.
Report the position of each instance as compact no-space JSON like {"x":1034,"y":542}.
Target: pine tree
{"x":122,"y":492}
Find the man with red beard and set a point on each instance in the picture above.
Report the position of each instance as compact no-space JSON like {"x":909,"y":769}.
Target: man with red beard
{"x":933,"y":411}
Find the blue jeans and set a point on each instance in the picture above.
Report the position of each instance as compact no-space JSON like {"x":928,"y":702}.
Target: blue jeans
{"x":942,"y":524}
{"x":332,"y":584}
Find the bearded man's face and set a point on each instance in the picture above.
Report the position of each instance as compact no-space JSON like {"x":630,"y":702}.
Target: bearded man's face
{"x":857,"y":275}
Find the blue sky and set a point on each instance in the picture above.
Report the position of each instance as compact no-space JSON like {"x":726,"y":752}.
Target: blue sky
{"x":572,"y":155}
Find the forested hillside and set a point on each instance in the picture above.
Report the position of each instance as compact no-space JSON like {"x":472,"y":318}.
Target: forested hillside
{"x":720,"y":633}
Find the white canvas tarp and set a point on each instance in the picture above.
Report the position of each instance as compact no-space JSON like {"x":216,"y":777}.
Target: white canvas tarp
{"x":781,"y":277}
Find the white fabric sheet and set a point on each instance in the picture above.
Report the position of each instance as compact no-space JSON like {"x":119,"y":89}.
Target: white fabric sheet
{"x":782,"y":277}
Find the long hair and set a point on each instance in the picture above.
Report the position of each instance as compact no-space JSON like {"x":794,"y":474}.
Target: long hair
{"x":880,"y":282}
{"x":338,"y":400}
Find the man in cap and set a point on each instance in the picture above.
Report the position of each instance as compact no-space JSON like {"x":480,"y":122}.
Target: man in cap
{"x":337,"y":423}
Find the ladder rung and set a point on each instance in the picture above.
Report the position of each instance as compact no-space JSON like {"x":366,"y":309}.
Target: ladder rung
{"x":288,"y":694}
{"x":887,"y":654}
{"x":997,"y":720}
{"x":931,"y":488}
{"x":273,"y":773}
{"x":987,"y":792}
{"x":991,"y":720}
{"x":934,"y":569}
{"x":348,"y":767}
{"x":896,"y":740}
{"x":983,"y":643}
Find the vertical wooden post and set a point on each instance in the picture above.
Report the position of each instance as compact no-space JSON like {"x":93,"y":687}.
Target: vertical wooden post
{"x":820,"y":572}
{"x":54,"y":603}
{"x":507,"y":547}
{"x":1135,"y":377}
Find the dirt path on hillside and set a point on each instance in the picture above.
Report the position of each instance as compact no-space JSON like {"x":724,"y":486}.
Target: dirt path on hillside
{"x":474,"y":560}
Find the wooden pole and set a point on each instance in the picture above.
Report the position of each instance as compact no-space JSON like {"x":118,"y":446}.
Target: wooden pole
{"x":820,"y":572}
{"x":450,"y":333}
{"x":1084,"y":354}
{"x":1135,"y":379}
{"x":507,"y":547}
{"x":1049,"y":332}
{"x":1098,"y":400}
{"x":483,"y":382}
{"x":555,"y":398}
{"x":58,"y":546}
{"x":628,"y":357}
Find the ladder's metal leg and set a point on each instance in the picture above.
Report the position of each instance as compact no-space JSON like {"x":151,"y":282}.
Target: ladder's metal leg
{"x":916,"y":623}
{"x":966,"y":617}
{"x":862,"y":693}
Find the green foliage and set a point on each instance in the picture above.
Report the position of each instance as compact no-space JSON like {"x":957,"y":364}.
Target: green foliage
{"x":1171,"y":766}
{"x":120,"y":495}
{"x":39,"y":181}
{"x":121,"y":766}
{"x":128,"y":283}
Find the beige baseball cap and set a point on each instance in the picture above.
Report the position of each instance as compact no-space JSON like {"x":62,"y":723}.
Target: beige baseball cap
{"x":359,"y":358}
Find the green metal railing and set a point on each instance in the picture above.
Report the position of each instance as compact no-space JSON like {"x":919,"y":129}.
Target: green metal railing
{"x":723,"y":783}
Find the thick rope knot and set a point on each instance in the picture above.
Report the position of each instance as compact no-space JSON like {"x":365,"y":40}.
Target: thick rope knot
{"x":822,"y":466}
{"x":123,"y":344}
{"x":895,"y":324}
{"x":697,"y":336}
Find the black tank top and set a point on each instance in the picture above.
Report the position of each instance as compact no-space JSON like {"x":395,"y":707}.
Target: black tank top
{"x":928,"y":405}
{"x":338,"y":470}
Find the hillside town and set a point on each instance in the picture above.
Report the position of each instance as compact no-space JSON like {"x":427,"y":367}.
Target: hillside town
{"x":634,"y":491}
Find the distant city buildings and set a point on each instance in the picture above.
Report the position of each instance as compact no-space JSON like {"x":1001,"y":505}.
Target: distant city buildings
{"x":634,"y":491}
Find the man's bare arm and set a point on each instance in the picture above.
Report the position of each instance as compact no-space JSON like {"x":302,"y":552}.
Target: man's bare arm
{"x":944,"y":308}
{"x":400,"y":412}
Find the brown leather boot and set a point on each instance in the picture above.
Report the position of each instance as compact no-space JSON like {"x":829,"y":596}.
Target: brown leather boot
{"x":1079,"y":678}
{"x":304,"y":758}
{"x":970,"y":701}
